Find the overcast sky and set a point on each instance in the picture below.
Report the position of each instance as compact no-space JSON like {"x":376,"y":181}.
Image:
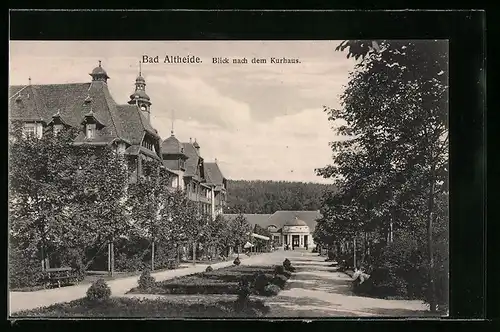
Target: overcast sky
{"x":261,"y":121}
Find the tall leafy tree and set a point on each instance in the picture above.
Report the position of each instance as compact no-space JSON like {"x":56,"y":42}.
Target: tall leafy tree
{"x":41,"y":187}
{"x":240,"y":230}
{"x":393,"y":161}
{"x":147,"y":197}
{"x":101,"y":205}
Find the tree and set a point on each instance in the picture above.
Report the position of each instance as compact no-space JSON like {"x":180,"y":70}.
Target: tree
{"x":41,"y":187}
{"x":148,"y":196}
{"x":217,"y":234}
{"x":260,"y":243}
{"x":100,"y":207}
{"x":393,"y":161}
{"x":240,"y":230}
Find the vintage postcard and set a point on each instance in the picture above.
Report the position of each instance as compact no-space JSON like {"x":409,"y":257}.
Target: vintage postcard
{"x":224,"y":179}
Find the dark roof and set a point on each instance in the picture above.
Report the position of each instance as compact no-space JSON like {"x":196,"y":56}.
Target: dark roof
{"x":192,"y":161}
{"x":213,"y":174}
{"x":280,"y":218}
{"x":172,"y":146}
{"x":253,"y":219}
{"x":99,"y":71}
{"x":139,"y":94}
{"x":140,"y":79}
{"x":41,"y":102}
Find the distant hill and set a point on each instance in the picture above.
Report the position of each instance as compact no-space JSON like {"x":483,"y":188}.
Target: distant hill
{"x":271,"y":196}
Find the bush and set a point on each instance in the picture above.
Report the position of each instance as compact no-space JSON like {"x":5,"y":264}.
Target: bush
{"x":259,"y":282}
{"x":286,"y":263}
{"x":146,"y":280}
{"x":209,"y":269}
{"x":331,"y":255}
{"x":271,"y":290}
{"x":25,"y":269}
{"x":98,"y":291}
{"x":237,"y":261}
{"x":279,"y":280}
{"x":401,"y":270}
{"x":279,"y":269}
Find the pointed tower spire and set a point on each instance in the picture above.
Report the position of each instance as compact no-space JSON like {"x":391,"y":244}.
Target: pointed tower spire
{"x":140,"y":97}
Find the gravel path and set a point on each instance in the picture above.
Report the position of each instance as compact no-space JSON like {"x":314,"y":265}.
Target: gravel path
{"x":318,"y":290}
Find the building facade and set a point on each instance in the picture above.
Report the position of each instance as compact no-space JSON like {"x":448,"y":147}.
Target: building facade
{"x":90,"y":108}
{"x":288,"y":228}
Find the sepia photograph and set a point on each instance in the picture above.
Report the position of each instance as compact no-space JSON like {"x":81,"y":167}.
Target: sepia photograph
{"x":228,"y":179}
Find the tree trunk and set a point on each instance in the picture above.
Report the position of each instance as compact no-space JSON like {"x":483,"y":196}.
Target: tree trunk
{"x":112,"y":258}
{"x":430,"y":216}
{"x":178,"y":256}
{"x":354,"y":246}
{"x":391,"y":236}
{"x":109,"y":258}
{"x":43,"y":257}
{"x":194,"y":253}
{"x":153,"y":256}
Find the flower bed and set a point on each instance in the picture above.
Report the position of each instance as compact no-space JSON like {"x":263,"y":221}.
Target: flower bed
{"x":221,"y":281}
{"x":131,"y":307}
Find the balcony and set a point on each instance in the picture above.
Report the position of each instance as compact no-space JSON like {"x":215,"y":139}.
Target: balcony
{"x":198,"y":198}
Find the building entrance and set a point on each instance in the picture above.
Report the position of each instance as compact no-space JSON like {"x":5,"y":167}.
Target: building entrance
{"x":295,"y":241}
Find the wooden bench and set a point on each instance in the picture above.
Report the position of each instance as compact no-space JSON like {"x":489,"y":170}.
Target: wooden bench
{"x":59,"y":276}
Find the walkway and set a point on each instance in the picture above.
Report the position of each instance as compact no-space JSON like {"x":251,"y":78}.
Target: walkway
{"x":30,"y":300}
{"x":318,"y":290}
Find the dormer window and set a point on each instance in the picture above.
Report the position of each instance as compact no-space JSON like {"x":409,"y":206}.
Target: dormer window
{"x":30,"y":129}
{"x":57,"y":128}
{"x":90,"y":130}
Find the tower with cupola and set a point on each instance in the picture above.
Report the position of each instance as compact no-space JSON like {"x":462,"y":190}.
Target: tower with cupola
{"x":140,"y":97}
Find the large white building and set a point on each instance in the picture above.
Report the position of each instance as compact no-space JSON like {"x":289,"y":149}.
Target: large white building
{"x":292,"y":228}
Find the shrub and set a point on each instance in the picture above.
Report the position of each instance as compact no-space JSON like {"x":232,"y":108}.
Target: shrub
{"x":209,"y":269}
{"x":279,"y":269}
{"x":259,"y":282}
{"x":331,"y":255}
{"x":98,"y":291}
{"x":271,"y":289}
{"x":244,"y":290}
{"x":286,"y":263}
{"x":237,"y":261}
{"x":146,"y":280}
{"x":279,"y":280}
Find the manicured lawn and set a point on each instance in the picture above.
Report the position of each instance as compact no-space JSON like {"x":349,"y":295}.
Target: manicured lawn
{"x":132,"y":307}
{"x":221,"y":281}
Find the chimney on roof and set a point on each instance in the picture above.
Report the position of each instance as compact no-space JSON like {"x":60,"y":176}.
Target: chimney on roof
{"x":190,"y":140}
{"x":29,"y":80}
{"x":216,"y":160}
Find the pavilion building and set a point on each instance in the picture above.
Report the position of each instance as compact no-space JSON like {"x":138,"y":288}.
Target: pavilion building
{"x":292,"y":228}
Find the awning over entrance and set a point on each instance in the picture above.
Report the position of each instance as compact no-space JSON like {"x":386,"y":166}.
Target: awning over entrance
{"x":258,"y":236}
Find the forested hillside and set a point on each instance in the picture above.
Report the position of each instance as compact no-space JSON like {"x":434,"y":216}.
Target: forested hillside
{"x":272,"y":196}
